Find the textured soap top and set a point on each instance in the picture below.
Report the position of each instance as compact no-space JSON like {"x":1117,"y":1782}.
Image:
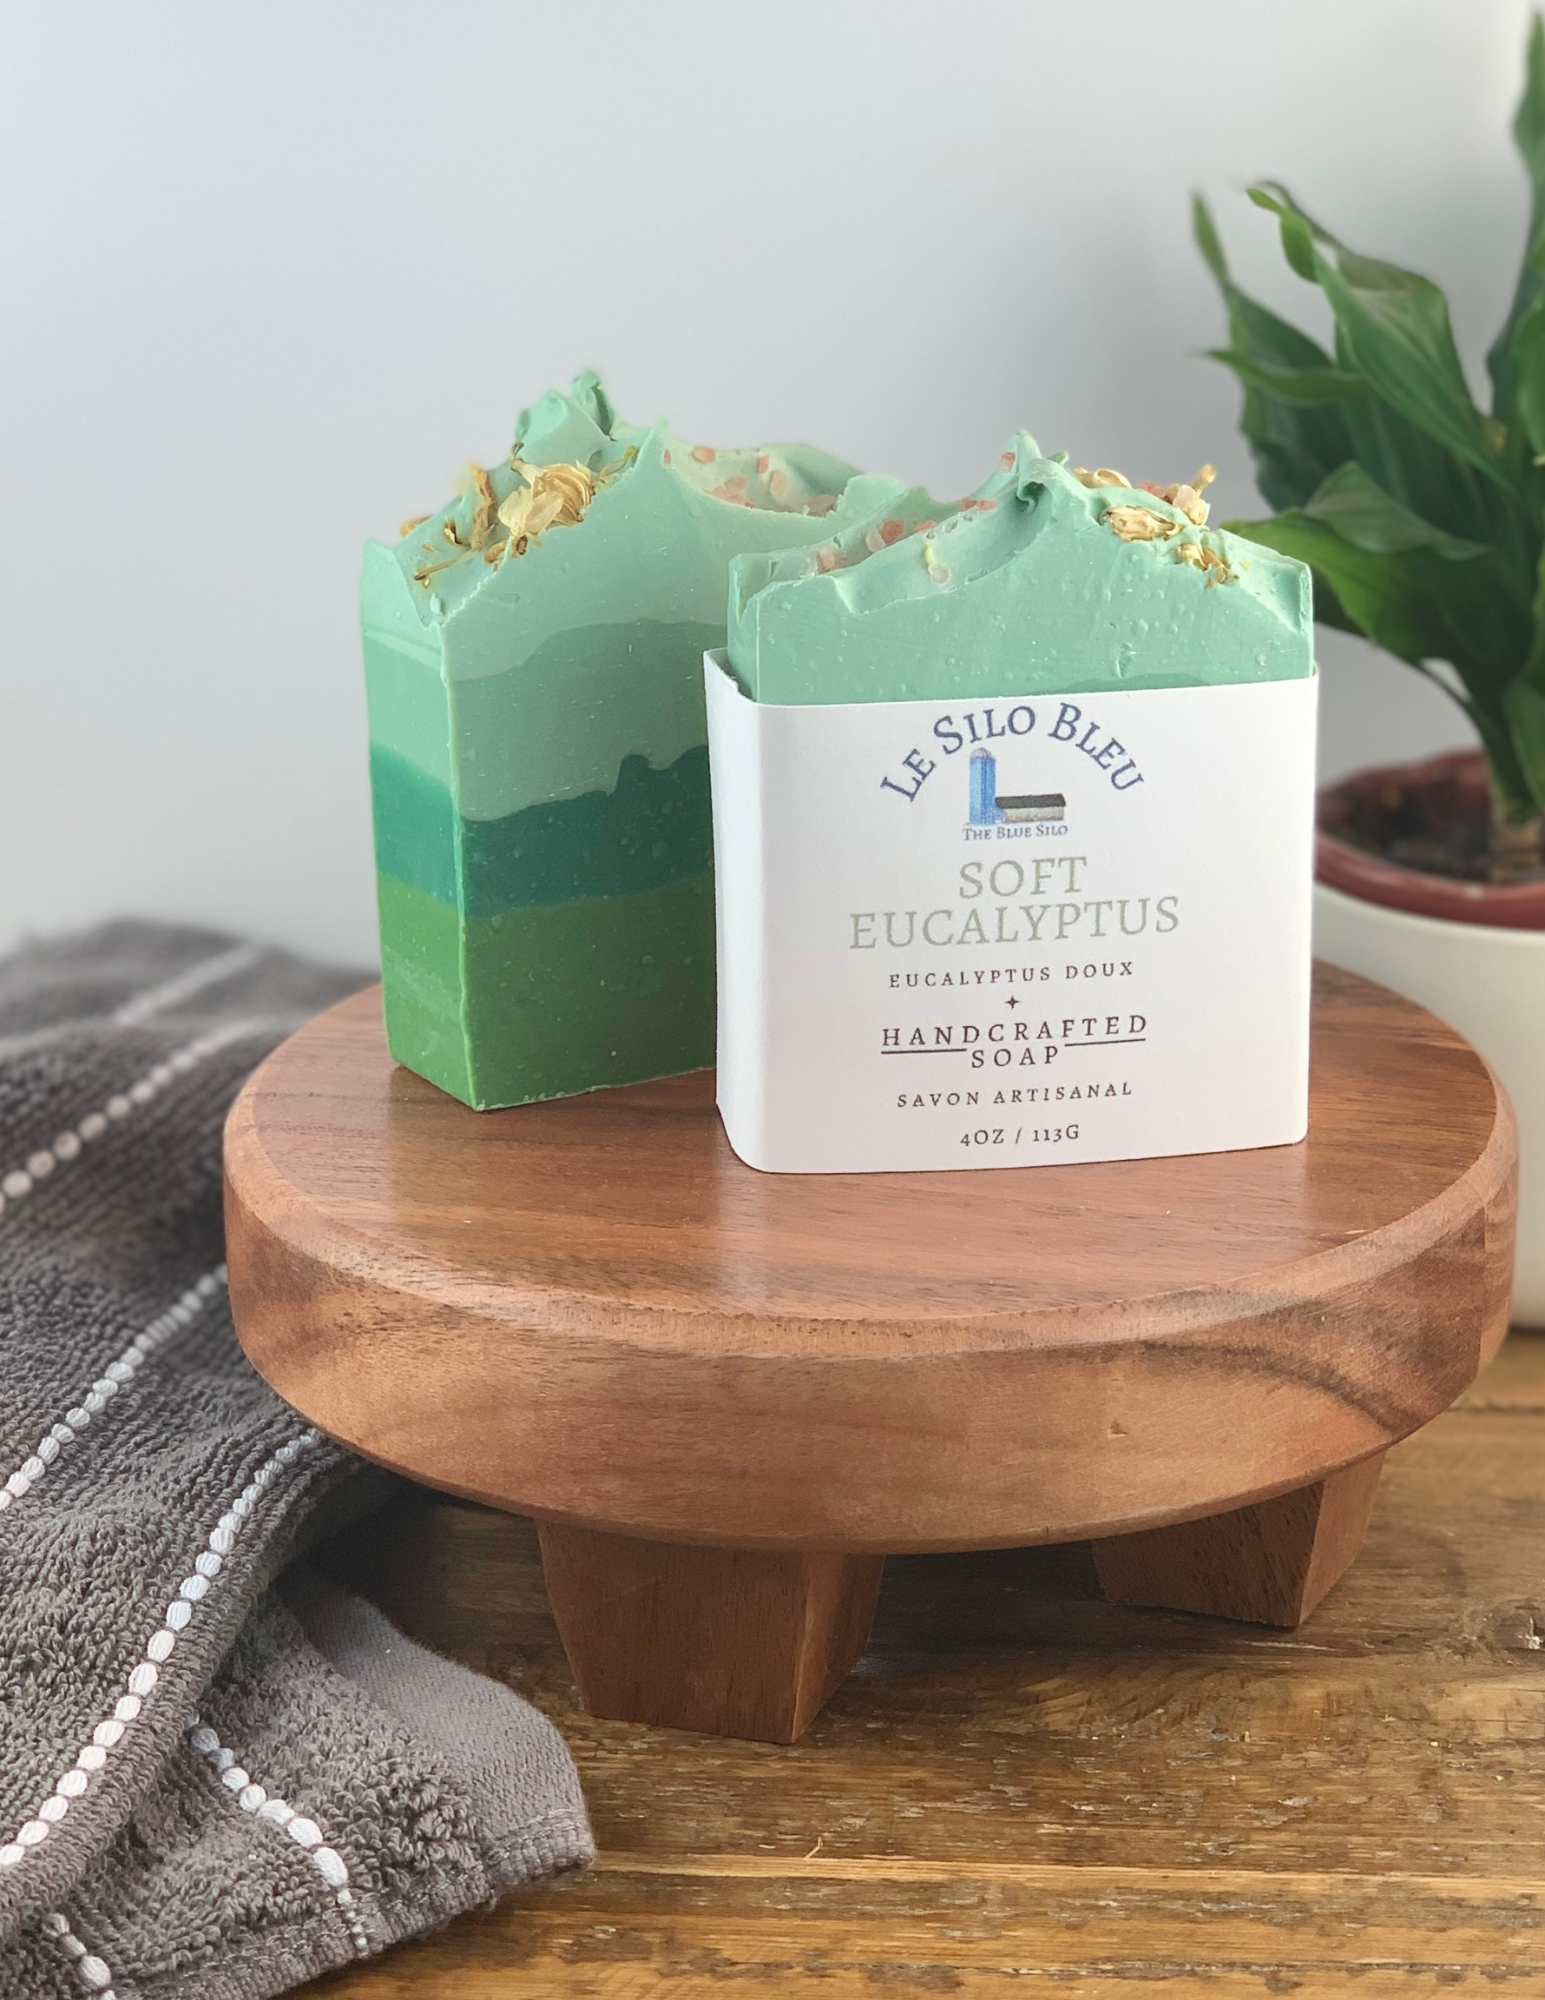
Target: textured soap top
{"x":1046,"y":580}
{"x":574,"y":462}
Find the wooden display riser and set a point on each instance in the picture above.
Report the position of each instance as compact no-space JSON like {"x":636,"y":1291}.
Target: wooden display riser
{"x":1026,"y":1791}
{"x":728,"y":1396}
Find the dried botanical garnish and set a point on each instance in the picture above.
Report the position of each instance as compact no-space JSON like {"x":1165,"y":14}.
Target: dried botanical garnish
{"x":407,"y":527}
{"x":1199,"y":556}
{"x":553,"y":496}
{"x":424,"y":573}
{"x":1140,"y":524}
{"x":484,"y":507}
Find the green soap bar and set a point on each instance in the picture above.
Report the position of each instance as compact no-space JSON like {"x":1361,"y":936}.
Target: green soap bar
{"x":538,"y":744}
{"x":1043,"y":582}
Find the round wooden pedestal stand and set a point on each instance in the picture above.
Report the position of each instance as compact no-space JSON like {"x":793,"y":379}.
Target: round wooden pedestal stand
{"x":726,"y":1395}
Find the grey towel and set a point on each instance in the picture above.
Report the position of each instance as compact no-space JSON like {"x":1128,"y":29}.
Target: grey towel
{"x":207,"y":1785}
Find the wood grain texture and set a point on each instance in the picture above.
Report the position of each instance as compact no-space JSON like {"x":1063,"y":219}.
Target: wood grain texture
{"x":1025,"y":1790}
{"x":1268,"y":1564}
{"x":629,"y":1330}
{"x":739,"y":1642}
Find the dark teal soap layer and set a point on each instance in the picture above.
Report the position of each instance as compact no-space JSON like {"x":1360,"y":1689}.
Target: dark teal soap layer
{"x":653,"y":829}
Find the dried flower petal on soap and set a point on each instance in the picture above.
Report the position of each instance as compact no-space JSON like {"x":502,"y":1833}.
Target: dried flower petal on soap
{"x":609,"y":472}
{"x":407,"y":527}
{"x":1190,"y":503}
{"x":1106,"y":475}
{"x":485,"y":506}
{"x":553,"y":495}
{"x":704,"y":454}
{"x":433,"y":569}
{"x":1199,"y":556}
{"x":1140,"y":524}
{"x":1218,"y":570}
{"x":448,"y":529}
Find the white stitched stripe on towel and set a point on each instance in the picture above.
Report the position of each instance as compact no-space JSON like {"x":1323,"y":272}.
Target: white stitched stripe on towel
{"x":91,"y":1971}
{"x":20,"y":1180}
{"x":208,"y":972}
{"x":252,"y":1798}
{"x":179,"y":1314}
{"x":179,"y":1614}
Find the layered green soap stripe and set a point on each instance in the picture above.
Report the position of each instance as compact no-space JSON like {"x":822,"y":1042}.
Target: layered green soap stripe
{"x":551,"y":999}
{"x":653,"y":828}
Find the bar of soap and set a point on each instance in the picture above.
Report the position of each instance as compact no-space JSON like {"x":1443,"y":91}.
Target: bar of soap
{"x":533,"y":657}
{"x":1047,"y":580}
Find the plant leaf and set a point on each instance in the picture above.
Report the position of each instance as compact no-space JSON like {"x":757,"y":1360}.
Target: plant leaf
{"x":1363,"y":514}
{"x":1294,"y":444}
{"x":1416,"y":603}
{"x":1377,"y":593}
{"x":1393,"y":328}
{"x":1298,"y":232}
{"x":1421,"y":607}
{"x":1292,"y":385}
{"x":1529,"y":136}
{"x":1527,"y":384}
{"x":1524,"y":706}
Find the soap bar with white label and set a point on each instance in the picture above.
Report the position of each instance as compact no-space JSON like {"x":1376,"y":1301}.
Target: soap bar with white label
{"x":1045,"y":580}
{"x":1012,"y":931}
{"x":1013,"y":816}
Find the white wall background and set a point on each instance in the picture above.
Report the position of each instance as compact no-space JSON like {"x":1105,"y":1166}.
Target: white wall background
{"x":274,"y":269}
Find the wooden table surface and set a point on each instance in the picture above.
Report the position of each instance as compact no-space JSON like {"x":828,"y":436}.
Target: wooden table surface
{"x":1023,"y":1790}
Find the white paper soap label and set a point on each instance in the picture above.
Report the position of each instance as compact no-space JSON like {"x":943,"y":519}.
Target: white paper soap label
{"x":1013,"y":932}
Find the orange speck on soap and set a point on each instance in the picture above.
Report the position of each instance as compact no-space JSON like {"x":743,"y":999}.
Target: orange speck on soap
{"x":665,"y":458}
{"x":704,"y":454}
{"x":763,"y":461}
{"x":892,"y":530}
{"x":778,"y":485}
{"x":827,"y":558}
{"x":1006,"y":459}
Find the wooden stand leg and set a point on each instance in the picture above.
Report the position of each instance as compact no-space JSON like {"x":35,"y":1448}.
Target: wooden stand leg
{"x":733,"y":1642}
{"x":1269,"y":1564}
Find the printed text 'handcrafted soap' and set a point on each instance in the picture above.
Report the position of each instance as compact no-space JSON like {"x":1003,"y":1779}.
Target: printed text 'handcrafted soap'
{"x":539,"y":766}
{"x":1012,"y":823}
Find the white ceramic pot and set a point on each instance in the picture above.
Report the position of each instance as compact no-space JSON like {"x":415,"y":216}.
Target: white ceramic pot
{"x":1487,"y":982}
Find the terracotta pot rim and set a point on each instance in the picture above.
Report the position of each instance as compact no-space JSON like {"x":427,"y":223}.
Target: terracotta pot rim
{"x":1372,"y":879}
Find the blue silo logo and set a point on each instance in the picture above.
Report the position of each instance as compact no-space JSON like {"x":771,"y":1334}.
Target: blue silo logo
{"x":985,"y":810}
{"x":989,"y":807}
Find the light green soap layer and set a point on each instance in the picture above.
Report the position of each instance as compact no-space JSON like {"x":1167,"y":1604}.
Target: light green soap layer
{"x":551,"y":1000}
{"x":1027,"y":589}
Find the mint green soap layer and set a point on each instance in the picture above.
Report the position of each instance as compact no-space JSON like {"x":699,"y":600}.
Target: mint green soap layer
{"x":1026,"y":590}
{"x":654,"y":828}
{"x":553,"y":1000}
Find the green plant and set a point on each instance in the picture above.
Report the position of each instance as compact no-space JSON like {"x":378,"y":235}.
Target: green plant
{"x":1421,"y":516}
